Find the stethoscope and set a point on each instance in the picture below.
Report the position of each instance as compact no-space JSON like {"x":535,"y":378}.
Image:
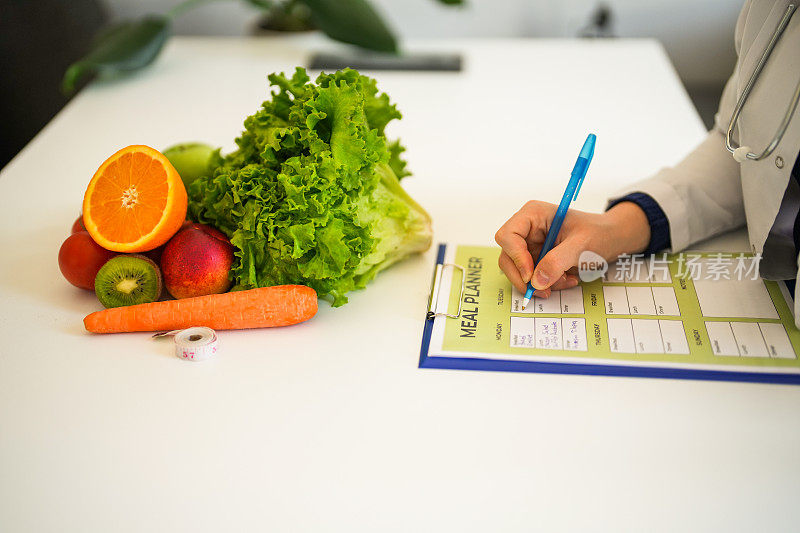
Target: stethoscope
{"x":742,"y":153}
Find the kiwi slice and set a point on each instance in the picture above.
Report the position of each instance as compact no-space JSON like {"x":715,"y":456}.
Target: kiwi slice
{"x":128,"y":280}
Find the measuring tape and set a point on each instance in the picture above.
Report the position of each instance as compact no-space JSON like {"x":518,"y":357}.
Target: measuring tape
{"x":193,"y":344}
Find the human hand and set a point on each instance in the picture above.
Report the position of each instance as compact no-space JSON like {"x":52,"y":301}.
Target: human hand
{"x":622,"y":229}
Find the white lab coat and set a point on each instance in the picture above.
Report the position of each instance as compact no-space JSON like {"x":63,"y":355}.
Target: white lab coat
{"x":709,"y":193}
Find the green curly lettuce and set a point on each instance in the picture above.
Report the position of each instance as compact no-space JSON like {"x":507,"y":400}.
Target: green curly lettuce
{"x":312,"y":194}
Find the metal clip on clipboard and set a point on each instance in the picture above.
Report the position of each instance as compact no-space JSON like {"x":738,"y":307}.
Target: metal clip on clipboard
{"x":433,"y":297}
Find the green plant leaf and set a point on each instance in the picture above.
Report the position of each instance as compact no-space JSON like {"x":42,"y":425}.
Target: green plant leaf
{"x":123,"y":47}
{"x":261,"y":4}
{"x":354,"y":22}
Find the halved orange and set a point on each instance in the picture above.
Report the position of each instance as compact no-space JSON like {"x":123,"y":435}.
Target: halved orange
{"x":135,"y":202}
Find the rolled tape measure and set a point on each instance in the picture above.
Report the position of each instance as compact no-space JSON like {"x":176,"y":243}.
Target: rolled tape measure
{"x":196,"y":344}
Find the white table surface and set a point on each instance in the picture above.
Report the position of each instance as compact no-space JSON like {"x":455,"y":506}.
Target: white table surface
{"x":330,"y":425}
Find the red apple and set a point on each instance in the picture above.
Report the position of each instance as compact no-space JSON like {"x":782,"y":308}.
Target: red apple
{"x":155,"y":253}
{"x":196,"y":261}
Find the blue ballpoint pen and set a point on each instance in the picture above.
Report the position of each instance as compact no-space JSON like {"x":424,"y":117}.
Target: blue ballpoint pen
{"x":570,"y":195}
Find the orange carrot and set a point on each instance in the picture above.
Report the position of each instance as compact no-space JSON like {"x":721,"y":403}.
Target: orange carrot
{"x":266,"y":307}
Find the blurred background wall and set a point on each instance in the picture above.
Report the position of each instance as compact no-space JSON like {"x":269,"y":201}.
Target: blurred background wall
{"x":697,"y":35}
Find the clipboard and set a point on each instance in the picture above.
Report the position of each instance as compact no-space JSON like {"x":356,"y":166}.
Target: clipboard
{"x":446,"y":310}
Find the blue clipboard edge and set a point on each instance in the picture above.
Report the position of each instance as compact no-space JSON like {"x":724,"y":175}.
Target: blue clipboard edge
{"x":504,"y":365}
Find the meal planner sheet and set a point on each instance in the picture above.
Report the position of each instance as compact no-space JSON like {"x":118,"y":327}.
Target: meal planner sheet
{"x":654,"y":314}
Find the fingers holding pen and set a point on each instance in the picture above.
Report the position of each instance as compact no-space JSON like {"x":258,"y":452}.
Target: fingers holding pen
{"x":567,"y":281}
{"x":513,"y":239}
{"x":511,"y":271}
{"x":509,"y":268}
{"x":554,"y":266}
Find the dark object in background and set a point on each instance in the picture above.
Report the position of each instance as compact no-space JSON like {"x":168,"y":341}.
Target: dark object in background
{"x":38,"y":40}
{"x":365,"y":60}
{"x":599,"y":25}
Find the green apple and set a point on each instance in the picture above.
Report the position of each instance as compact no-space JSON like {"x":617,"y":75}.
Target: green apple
{"x":192,"y":160}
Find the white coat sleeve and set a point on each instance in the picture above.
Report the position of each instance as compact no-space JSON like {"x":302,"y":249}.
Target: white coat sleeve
{"x":701,"y":195}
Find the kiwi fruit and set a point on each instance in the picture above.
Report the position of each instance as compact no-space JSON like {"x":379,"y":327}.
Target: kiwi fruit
{"x":128,"y":280}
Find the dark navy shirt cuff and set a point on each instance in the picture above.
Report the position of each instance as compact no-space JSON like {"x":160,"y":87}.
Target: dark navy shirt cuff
{"x":659,"y":225}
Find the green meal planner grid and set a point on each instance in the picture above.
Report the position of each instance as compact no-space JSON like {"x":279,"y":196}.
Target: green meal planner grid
{"x":489,"y":311}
